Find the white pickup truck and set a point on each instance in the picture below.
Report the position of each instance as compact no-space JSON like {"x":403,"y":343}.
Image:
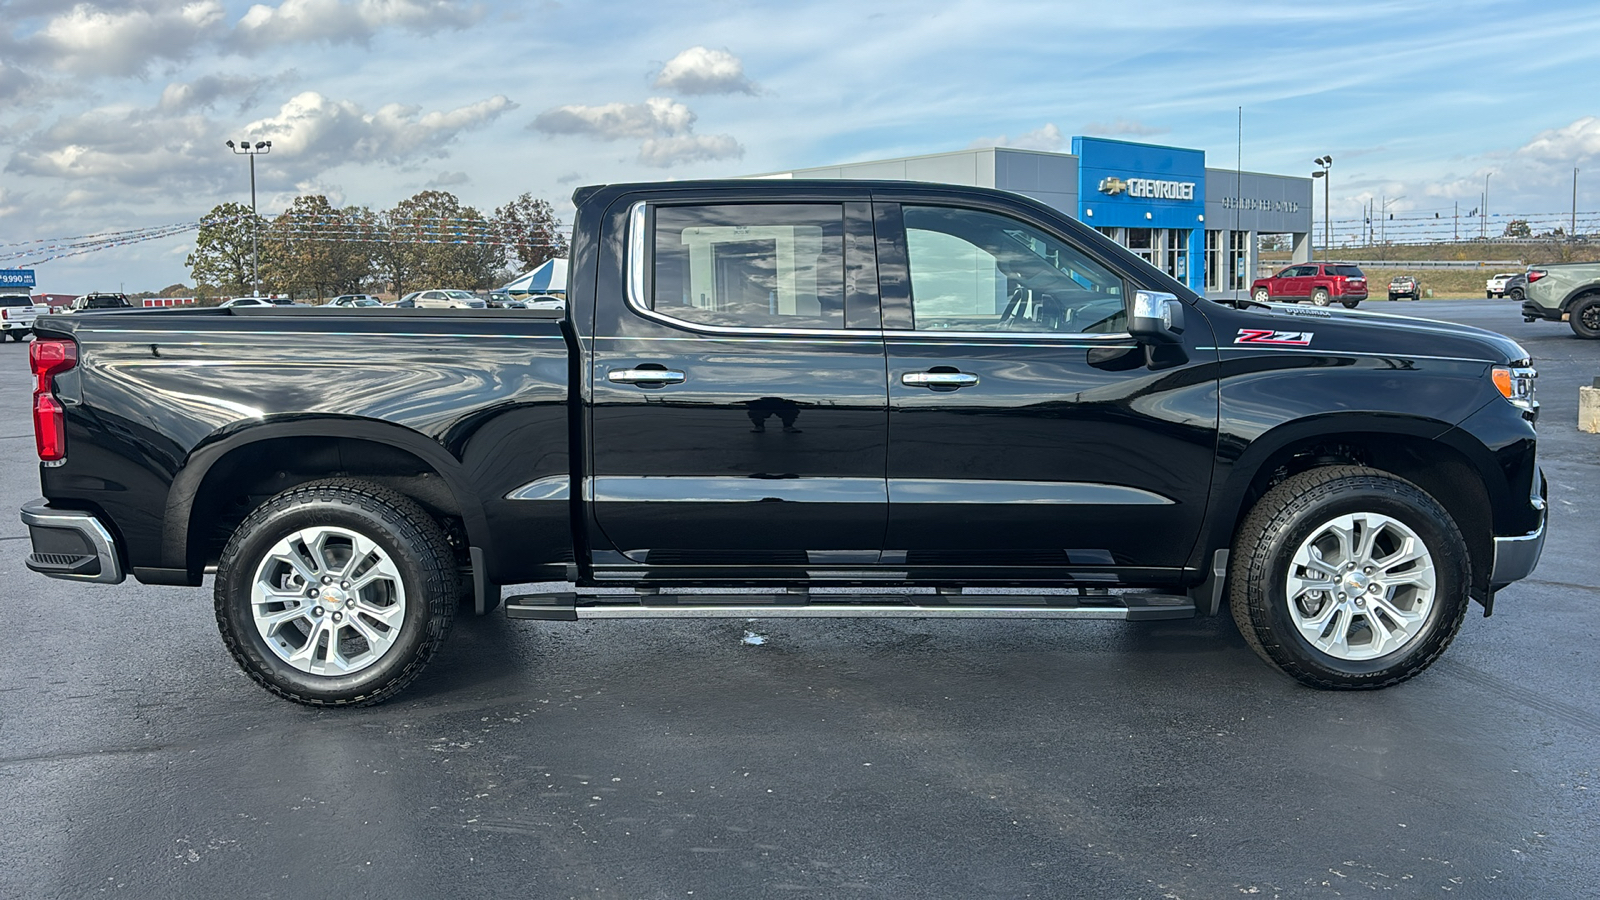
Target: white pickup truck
{"x":1496,"y":286}
{"x":17,"y":312}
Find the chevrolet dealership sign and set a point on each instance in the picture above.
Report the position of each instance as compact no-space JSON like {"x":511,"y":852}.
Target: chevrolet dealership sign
{"x":1148,"y":188}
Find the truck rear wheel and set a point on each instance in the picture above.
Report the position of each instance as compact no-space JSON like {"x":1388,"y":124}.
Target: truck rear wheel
{"x":336,"y":593}
{"x":1347,"y":578}
{"x":1585,"y":318}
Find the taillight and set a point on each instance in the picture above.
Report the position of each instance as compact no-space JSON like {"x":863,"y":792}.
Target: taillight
{"x":1536,"y":274}
{"x":49,"y":358}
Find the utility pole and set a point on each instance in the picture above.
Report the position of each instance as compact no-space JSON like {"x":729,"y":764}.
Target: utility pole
{"x":1458,"y":221}
{"x":1573,"y":234}
{"x":245,"y":148}
{"x":1483,"y":228}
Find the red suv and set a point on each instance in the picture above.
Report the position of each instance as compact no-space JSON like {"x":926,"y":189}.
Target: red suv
{"x":1321,"y":283}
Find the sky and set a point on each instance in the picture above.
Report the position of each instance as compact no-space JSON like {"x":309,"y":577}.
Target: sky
{"x":114,"y":113}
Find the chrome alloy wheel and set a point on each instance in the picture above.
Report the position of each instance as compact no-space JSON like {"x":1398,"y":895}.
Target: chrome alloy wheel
{"x":1361,"y":586}
{"x":328,"y":601}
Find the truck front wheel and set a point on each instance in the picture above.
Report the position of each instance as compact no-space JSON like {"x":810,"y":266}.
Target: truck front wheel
{"x":336,"y":593}
{"x":1347,"y":578}
{"x":1585,"y":318}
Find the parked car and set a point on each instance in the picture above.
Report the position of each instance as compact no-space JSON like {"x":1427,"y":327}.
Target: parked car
{"x":1568,"y":292}
{"x":100,"y":301}
{"x":1019,"y":402}
{"x":1321,"y":283}
{"x":355,"y":300}
{"x":544,"y":301}
{"x":17,"y":312}
{"x":1495,"y":287}
{"x":442,"y":299}
{"x":503,"y":300}
{"x":1517,"y":287}
{"x":1404,"y":286}
{"x":246,"y":301}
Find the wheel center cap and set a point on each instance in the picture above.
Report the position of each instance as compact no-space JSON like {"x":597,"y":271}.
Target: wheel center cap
{"x":333,"y":597}
{"x":1356,"y":582}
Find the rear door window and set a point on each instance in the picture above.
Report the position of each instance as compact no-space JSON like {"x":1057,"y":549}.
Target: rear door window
{"x":750,"y":266}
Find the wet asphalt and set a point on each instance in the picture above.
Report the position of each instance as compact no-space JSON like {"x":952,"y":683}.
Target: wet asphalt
{"x":910,"y":758}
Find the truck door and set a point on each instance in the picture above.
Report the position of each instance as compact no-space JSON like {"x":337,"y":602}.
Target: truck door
{"x":1029,"y":437}
{"x":739,"y":406}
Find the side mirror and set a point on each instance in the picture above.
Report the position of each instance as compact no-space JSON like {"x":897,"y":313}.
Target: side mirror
{"x":1156,"y":318}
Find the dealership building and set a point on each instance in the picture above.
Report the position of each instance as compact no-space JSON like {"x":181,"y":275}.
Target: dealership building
{"x":1200,"y":225}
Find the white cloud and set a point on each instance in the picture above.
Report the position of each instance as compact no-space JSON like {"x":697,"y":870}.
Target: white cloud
{"x":669,"y":151}
{"x":699,"y":70}
{"x":337,"y":21}
{"x":1566,"y":145}
{"x":87,"y":40}
{"x":133,"y":147}
{"x":312,"y":132}
{"x":205,"y":91}
{"x":448,"y":179}
{"x":1124,"y":127}
{"x":1045,"y":137}
{"x":618,"y":121}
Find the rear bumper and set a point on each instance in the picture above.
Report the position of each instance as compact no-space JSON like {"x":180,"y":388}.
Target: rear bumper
{"x":70,"y":544}
{"x":1532,"y":310}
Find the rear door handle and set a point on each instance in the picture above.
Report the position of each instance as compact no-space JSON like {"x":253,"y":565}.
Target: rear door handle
{"x":936,"y":380}
{"x":646,"y":377}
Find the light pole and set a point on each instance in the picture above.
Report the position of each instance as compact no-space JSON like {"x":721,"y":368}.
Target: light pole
{"x":1573,"y":234}
{"x":259,"y":148}
{"x":1326,"y":162}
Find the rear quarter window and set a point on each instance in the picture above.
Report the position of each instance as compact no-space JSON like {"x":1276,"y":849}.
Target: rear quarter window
{"x":1346,"y":271}
{"x":15,"y":300}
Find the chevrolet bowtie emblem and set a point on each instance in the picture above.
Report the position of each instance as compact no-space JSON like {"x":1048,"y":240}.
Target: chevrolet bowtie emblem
{"x":1112,"y":186}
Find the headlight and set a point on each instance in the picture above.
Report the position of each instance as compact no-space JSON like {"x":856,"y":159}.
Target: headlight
{"x":1516,"y":385}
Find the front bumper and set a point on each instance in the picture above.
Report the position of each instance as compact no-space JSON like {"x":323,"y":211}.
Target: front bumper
{"x":1515,"y":557}
{"x":70,"y":544}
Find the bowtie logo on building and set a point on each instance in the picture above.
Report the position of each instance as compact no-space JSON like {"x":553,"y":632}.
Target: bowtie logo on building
{"x":1113,"y":186}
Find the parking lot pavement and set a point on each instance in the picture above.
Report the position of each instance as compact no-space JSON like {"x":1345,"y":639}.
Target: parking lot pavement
{"x":910,"y":758}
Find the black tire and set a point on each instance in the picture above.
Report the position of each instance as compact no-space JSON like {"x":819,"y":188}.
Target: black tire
{"x":1261,"y":295}
{"x":1288,"y":516}
{"x":1488,"y":295}
{"x":1514,"y":294}
{"x":412,"y":541}
{"x":1350,"y":304}
{"x":1321,"y":297}
{"x":1584,"y":317}
{"x":1393,"y":298}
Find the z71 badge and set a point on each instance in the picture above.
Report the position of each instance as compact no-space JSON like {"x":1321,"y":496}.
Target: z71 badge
{"x":1275,"y":338}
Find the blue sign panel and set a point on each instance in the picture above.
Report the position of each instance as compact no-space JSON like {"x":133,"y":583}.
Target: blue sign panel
{"x":1147,"y":186}
{"x":1127,"y":185}
{"x":16,"y":278}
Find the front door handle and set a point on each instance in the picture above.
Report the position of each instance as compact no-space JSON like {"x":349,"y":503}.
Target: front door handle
{"x":939,"y":380}
{"x":645,"y":377}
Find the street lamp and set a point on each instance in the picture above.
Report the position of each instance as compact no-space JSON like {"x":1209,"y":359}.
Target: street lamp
{"x":259,"y":148}
{"x":1326,"y":162}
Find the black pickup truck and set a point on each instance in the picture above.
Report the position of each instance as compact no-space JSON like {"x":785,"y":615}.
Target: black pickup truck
{"x":857,"y":398}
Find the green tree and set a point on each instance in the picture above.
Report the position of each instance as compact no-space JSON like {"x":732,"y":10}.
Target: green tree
{"x":443,"y":244}
{"x":221,"y":258}
{"x":312,"y":249}
{"x":1518,"y":228}
{"x":529,"y":229}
